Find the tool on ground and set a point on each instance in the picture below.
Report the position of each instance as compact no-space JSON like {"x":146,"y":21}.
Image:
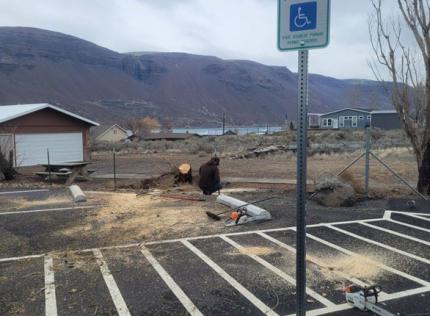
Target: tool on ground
{"x":235,"y":211}
{"x":366,"y":299}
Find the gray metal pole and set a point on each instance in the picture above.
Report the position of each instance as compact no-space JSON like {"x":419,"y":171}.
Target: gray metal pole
{"x":398,"y":176}
{"x":49,"y":165}
{"x":302,"y":127}
{"x":114,"y":170}
{"x":223,"y":123}
{"x":367,"y":165}
{"x":351,"y":164}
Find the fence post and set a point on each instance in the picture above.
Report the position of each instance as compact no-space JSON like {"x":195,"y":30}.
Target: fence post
{"x":367,"y":165}
{"x":114,"y":169}
{"x":49,"y":165}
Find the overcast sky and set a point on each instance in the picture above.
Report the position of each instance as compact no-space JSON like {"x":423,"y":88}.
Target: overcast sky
{"x":230,"y":29}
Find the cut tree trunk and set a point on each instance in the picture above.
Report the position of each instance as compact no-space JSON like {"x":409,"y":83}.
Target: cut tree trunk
{"x":424,"y":173}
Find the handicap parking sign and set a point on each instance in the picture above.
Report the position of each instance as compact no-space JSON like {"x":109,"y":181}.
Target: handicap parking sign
{"x":303,"y":16}
{"x":303,"y":24}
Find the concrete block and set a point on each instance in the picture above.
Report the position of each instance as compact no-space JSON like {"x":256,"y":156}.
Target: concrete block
{"x":77,"y":194}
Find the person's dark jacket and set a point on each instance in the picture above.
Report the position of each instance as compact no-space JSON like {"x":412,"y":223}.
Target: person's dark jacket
{"x":209,"y":176}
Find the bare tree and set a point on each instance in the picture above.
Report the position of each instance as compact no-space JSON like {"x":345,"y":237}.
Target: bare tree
{"x":405,"y":61}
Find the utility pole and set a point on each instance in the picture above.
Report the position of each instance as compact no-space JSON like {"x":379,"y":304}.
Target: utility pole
{"x":223,"y":123}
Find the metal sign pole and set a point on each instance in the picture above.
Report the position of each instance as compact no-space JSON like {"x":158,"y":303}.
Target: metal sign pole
{"x":301,"y":181}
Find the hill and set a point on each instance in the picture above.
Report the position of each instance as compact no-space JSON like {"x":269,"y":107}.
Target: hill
{"x":44,"y":66}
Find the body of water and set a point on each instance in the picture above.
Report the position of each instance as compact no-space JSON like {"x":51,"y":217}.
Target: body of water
{"x":216,"y":131}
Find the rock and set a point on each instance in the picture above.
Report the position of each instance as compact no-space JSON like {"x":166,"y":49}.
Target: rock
{"x":332,"y":191}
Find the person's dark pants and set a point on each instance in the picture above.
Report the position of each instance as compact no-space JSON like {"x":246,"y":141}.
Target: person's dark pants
{"x":213,"y":189}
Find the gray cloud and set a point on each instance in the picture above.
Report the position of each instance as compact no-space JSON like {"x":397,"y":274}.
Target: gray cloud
{"x":239,"y":29}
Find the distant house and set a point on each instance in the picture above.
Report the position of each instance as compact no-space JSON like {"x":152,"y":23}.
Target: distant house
{"x":169,"y":136}
{"x":350,"y":118}
{"x":113,"y":134}
{"x":385,"y":119}
{"x":30,"y":131}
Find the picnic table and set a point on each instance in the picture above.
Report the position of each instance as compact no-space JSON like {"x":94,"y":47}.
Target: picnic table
{"x":69,"y":170}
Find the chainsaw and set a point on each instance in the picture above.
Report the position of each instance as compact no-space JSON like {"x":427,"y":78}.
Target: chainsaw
{"x":366,"y":299}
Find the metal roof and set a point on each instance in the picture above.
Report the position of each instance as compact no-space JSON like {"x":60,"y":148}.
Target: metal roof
{"x":10,"y":112}
{"x":384,"y":112}
{"x":348,"y":109}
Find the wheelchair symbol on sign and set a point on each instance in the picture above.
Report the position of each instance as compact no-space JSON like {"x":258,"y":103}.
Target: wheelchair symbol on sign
{"x":301,"y":20}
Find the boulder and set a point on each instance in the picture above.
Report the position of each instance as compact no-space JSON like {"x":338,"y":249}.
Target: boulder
{"x":332,"y":191}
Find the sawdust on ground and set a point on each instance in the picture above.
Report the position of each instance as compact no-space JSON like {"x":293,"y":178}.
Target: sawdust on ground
{"x":357,"y":266}
{"x":23,"y":203}
{"x":257,"y":251}
{"x":127,"y":217}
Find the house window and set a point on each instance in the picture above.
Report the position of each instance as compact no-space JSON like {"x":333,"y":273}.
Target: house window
{"x":341,"y":121}
{"x":327,"y":122}
{"x":368,"y":117}
{"x":361,"y":117}
{"x":354,"y":121}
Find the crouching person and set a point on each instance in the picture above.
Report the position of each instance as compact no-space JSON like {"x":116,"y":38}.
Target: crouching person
{"x":210,"y":181}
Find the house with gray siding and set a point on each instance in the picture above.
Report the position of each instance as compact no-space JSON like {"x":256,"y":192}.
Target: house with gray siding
{"x":350,"y":118}
{"x":385,"y":119}
{"x":345,"y":119}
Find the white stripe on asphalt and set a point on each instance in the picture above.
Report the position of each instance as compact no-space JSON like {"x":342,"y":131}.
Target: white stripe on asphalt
{"x":312,"y":259}
{"x":388,"y":297}
{"x":182,"y":297}
{"x":381,"y":265}
{"x":417,"y":216}
{"x":239,"y":287}
{"x":410,"y":226}
{"x":21,"y":258}
{"x":118,"y":300}
{"x":24,"y":191}
{"x":50,"y":298}
{"x":71,"y":208}
{"x":280,"y":273}
{"x":404,"y":253}
{"x":392,"y":232}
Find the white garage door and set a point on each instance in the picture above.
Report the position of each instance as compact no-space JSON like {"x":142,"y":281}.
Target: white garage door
{"x":31,"y":149}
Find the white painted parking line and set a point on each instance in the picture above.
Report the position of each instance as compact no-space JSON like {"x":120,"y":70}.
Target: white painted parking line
{"x":417,"y":216}
{"x":239,"y":287}
{"x":280,"y":273}
{"x":182,"y":297}
{"x":392,"y":232}
{"x":409,"y":225}
{"x":385,"y":298}
{"x":404,"y":253}
{"x":21,"y":258}
{"x":23,"y":191}
{"x":118,"y":300}
{"x":50,"y":298}
{"x":71,"y":208}
{"x":313,"y":259}
{"x":381,"y":265}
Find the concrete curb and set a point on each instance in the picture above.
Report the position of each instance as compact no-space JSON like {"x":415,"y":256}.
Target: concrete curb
{"x":77,"y":194}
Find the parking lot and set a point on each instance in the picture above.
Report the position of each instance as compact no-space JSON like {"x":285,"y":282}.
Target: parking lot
{"x":241,"y":273}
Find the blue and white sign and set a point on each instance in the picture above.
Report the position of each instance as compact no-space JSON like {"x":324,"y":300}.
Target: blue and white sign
{"x":303,"y":24}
